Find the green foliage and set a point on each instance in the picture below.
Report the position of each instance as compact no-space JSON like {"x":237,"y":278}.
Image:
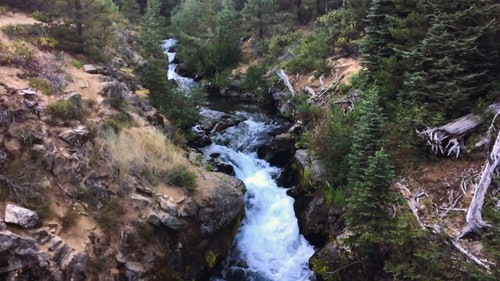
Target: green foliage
{"x":334,"y":196}
{"x":339,"y":129}
{"x":3,"y":9}
{"x":69,"y":219}
{"x":43,"y":85}
{"x":108,"y":216}
{"x":454,"y":68}
{"x":210,"y":258}
{"x":278,"y":43}
{"x":77,"y":64}
{"x":208,"y":36}
{"x":306,"y":110}
{"x":258,"y":15}
{"x":130,"y":9}
{"x":254,"y":79}
{"x":309,"y":55}
{"x":45,"y":17}
{"x":182,"y":177}
{"x":65,"y":110}
{"x":152,"y":32}
{"x":368,"y":136}
{"x":120,"y":121}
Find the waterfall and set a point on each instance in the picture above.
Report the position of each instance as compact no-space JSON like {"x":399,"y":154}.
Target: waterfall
{"x":184,"y":83}
{"x":268,"y":245}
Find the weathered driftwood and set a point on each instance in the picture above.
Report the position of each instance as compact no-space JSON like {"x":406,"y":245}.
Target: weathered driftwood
{"x":283,"y":77}
{"x":411,"y":200}
{"x":475,"y":223}
{"x":348,"y":102}
{"x":437,"y":229}
{"x":448,"y":139}
{"x":309,"y":90}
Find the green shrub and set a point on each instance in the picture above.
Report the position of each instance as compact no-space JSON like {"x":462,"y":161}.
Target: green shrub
{"x":45,"y":17}
{"x":180,"y":176}
{"x":77,"y":64}
{"x":254,"y":79}
{"x":69,"y":219}
{"x":108,"y":216}
{"x":120,"y":120}
{"x":23,"y":52}
{"x":43,"y":85}
{"x":65,"y":110}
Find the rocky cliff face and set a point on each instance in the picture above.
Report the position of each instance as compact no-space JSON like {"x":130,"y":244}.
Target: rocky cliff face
{"x":71,"y":211}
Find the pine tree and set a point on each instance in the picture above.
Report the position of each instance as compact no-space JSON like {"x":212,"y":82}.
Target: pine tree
{"x":225,"y":48}
{"x":179,"y":108}
{"x":131,"y":10}
{"x":367,"y":138}
{"x":369,"y":218}
{"x":370,"y":191}
{"x":454,"y":69}
{"x":152,"y":32}
{"x":259,"y":15}
{"x":375,"y":45}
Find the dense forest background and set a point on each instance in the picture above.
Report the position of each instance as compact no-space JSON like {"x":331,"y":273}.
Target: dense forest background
{"x":425,"y":64}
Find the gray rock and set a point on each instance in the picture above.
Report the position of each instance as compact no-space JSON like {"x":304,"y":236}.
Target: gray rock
{"x":223,"y":205}
{"x":154,"y":218}
{"x":92,"y":68}
{"x":19,"y":253}
{"x":173,"y":222}
{"x":168,"y":205}
{"x":23,"y":217}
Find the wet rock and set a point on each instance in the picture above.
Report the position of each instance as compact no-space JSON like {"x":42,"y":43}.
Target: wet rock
{"x":23,"y":217}
{"x":313,"y":219}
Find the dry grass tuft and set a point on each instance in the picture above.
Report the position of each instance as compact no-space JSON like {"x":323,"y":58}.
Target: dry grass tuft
{"x":143,"y":149}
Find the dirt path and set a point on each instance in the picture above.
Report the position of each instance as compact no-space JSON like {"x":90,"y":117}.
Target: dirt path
{"x":16,"y":18}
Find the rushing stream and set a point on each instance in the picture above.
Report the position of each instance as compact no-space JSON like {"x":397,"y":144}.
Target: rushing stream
{"x":268,"y":245}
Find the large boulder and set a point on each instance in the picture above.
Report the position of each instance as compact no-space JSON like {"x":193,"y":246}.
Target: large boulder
{"x":20,"y":254}
{"x":23,"y":217}
{"x":222,"y":204}
{"x":219,"y":208}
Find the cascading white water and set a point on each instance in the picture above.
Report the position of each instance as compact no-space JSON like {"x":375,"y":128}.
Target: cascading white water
{"x":268,"y":242}
{"x":184,"y":82}
{"x":268,"y":246}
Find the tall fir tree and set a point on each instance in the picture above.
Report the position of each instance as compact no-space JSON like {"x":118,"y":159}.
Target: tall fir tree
{"x":454,"y":69}
{"x":375,"y":45}
{"x":259,"y":15}
{"x":368,"y":136}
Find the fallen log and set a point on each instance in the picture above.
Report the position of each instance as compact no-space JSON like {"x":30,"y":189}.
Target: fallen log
{"x":449,"y":139}
{"x":475,"y":223}
{"x":485,"y":264}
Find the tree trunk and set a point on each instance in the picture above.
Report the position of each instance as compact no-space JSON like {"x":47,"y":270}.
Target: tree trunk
{"x":475,"y":223}
{"x":283,"y":77}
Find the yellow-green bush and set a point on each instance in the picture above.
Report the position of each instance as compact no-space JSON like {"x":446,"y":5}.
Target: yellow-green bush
{"x":43,"y":85}
{"x":65,"y":110}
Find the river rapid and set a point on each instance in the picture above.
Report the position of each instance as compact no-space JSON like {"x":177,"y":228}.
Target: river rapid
{"x":268,"y":245}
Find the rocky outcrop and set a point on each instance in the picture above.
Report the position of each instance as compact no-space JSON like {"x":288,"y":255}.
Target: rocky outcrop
{"x":22,"y":258}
